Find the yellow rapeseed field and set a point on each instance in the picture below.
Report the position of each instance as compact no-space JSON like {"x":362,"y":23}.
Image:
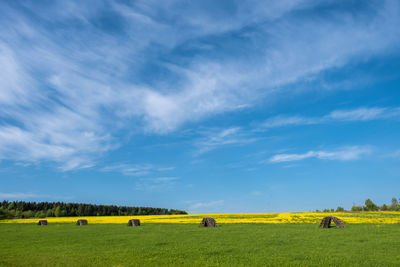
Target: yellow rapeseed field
{"x":381,"y":217}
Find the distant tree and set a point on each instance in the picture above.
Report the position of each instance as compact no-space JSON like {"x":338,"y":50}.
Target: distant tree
{"x":5,"y":214}
{"x":356,"y":208}
{"x":339,"y":209}
{"x":63,"y":213}
{"x":40,"y":214}
{"x":140,"y":212}
{"x":57,"y":212}
{"x":370,"y":206}
{"x":394,"y":201}
{"x":72,"y":212}
{"x":28,"y":214}
{"x":80,"y":210}
{"x":49,"y":213}
{"x":384,"y":207}
{"x":11,"y":206}
{"x":18,"y":214}
{"x":395,"y":207}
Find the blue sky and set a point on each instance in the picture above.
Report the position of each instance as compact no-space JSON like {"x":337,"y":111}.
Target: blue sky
{"x":206,"y":106}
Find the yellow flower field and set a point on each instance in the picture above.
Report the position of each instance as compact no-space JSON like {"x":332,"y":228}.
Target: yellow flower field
{"x":382,"y":217}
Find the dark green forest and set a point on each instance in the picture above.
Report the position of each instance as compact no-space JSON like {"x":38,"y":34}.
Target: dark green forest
{"x":22,"y":209}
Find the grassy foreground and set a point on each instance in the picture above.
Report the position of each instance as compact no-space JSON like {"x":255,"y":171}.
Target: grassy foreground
{"x":190,"y":245}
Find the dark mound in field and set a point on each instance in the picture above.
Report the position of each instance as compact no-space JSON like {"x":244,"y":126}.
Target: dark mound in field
{"x":208,"y":222}
{"x":326,"y":222}
{"x":82,"y":222}
{"x":42,"y":222}
{"x":134,"y":222}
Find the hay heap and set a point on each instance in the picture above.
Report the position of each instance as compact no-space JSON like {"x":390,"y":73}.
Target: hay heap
{"x":134,"y":222}
{"x":208,"y":222}
{"x":42,"y":222}
{"x":81,"y":222}
{"x":326,"y":222}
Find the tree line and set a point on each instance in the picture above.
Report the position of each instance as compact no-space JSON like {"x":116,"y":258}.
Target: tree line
{"x":22,"y":209}
{"x":369,"y":205}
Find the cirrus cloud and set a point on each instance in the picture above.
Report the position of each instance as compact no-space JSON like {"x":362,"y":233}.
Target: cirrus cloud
{"x":343,"y":154}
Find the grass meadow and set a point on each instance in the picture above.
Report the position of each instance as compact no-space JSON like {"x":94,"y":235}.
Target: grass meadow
{"x":166,"y":244}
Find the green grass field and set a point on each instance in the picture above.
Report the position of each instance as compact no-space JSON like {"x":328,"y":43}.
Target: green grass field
{"x":190,"y":245}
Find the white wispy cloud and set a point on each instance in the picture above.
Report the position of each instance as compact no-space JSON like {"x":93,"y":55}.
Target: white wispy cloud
{"x":358,"y":114}
{"x":156,"y":184}
{"x":28,"y":195}
{"x":18,"y":196}
{"x":136,"y":169}
{"x":395,"y":154}
{"x":164,"y":179}
{"x":202,"y":205}
{"x":281,"y":120}
{"x":222,"y":137}
{"x":171,"y":168}
{"x":364,"y":114}
{"x":343,"y":154}
{"x":256,"y":193}
{"x":70,"y":86}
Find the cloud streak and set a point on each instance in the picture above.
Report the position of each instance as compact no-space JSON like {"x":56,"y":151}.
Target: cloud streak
{"x":343,"y":154}
{"x":350,"y":115}
{"x":156,"y":184}
{"x":222,"y":137}
{"x":27,"y":195}
{"x":201,"y":205}
{"x":136,"y":169}
{"x":18,"y":195}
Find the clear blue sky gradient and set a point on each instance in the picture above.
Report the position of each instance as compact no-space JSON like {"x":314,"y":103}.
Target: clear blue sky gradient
{"x":206,"y":106}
